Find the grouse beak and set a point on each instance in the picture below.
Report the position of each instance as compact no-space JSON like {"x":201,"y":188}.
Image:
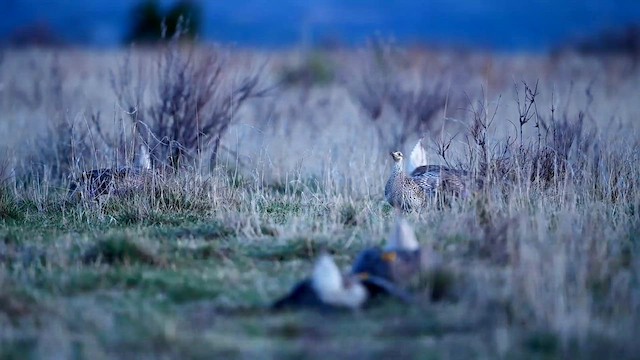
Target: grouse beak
{"x":390,"y":256}
{"x":362,"y":276}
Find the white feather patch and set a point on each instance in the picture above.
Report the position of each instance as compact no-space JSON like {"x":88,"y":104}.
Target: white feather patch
{"x":402,"y":237}
{"x":418,"y":157}
{"x":143,"y":160}
{"x":328,"y":283}
{"x":326,"y":276}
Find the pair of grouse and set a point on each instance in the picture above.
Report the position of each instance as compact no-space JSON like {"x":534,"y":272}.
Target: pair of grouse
{"x":413,"y":189}
{"x":375,"y":272}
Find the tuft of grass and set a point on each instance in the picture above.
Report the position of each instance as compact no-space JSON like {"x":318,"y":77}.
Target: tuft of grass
{"x":23,"y":348}
{"x":211,"y":230}
{"x":306,"y":248}
{"x":349,"y":215}
{"x":543,"y":342}
{"x":16,"y":303}
{"x":315,"y":70}
{"x":9,"y":207}
{"x":120,"y":249}
{"x":280,"y":210}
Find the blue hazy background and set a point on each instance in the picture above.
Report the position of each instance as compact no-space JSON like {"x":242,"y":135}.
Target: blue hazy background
{"x":497,"y":24}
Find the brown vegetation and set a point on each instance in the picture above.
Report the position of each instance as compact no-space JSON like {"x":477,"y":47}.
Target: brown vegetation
{"x":543,"y":256}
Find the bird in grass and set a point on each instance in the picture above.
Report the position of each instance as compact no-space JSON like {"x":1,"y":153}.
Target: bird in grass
{"x":403,"y":263}
{"x":326,"y":289}
{"x":401,"y":190}
{"x":412,"y":190}
{"x":92,"y":184}
{"x":398,"y":262}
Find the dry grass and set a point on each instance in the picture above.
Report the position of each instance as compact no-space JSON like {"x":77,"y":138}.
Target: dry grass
{"x":542,"y":260}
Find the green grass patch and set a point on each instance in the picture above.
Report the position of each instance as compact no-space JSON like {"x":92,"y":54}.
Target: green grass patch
{"x":120,"y":249}
{"x":9,"y":207}
{"x":295,"y":248}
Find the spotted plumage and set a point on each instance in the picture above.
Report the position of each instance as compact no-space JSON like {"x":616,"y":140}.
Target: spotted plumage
{"x":424,"y":182}
{"x":92,"y":184}
{"x":434,"y":178}
{"x":402,"y":191}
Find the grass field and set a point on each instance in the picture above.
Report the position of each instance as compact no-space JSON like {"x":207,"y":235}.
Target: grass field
{"x":543,"y":261}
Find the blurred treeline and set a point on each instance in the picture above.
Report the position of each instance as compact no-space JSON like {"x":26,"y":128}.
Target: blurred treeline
{"x":150,"y":21}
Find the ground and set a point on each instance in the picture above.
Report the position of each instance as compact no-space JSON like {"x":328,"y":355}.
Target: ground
{"x":541,"y":261}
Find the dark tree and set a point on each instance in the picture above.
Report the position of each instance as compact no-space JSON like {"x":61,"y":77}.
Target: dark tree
{"x":148,"y":17}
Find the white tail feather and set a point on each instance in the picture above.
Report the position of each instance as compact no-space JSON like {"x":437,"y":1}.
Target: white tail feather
{"x":326,"y":276}
{"x":402,"y":237}
{"x":143,"y":161}
{"x":328,"y":283}
{"x":418,"y":157}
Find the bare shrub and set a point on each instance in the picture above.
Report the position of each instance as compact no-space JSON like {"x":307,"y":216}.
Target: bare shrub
{"x":65,"y":143}
{"x":400,"y":102}
{"x":315,"y":69}
{"x":486,"y":157}
{"x":191,"y":103}
{"x":559,"y":150}
{"x":558,"y":137}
